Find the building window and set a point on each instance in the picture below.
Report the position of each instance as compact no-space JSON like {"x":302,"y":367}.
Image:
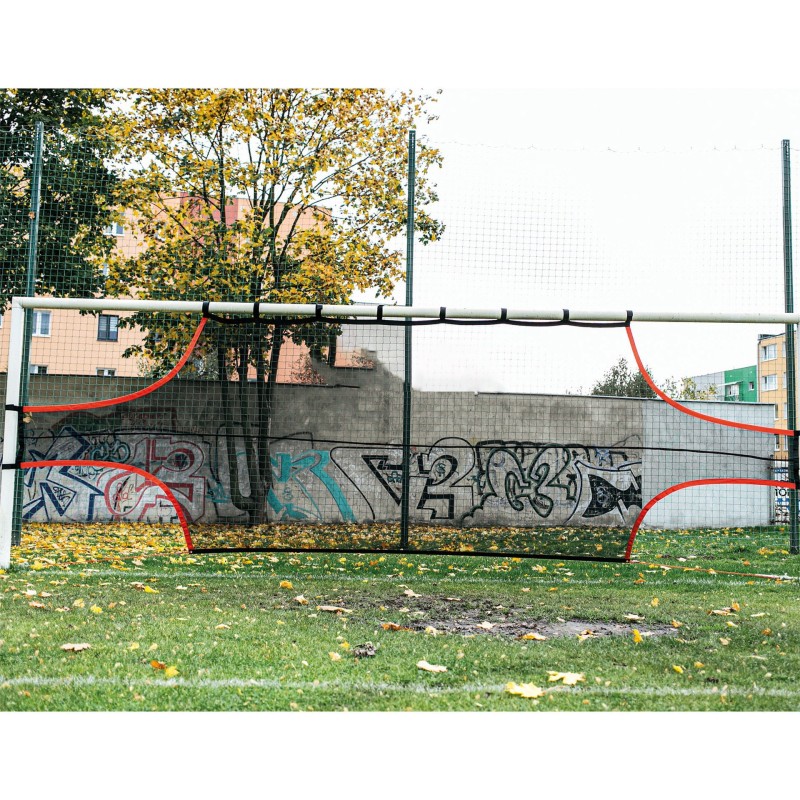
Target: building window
{"x":776,"y":411}
{"x":107,"y":325}
{"x":37,"y":369}
{"x":732,"y":390}
{"x":41,"y":323}
{"x":106,"y":372}
{"x":785,"y":409}
{"x":784,"y":380}
{"x":777,"y":443}
{"x":769,"y":351}
{"x":751,"y":386}
{"x":769,"y":383}
{"x":114,"y":229}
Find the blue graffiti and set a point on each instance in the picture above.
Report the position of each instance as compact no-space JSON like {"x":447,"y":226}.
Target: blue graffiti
{"x":291,"y":498}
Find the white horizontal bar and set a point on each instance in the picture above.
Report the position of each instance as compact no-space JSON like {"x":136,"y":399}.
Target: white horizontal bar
{"x":402,"y":312}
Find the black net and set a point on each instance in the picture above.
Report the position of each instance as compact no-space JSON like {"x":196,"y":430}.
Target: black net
{"x":262,"y":434}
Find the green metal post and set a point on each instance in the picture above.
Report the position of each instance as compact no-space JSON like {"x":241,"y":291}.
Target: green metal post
{"x":30,"y":291}
{"x":404,"y":497}
{"x":791,"y":361}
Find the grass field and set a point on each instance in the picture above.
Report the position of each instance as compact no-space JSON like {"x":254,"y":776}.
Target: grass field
{"x":114,"y":619}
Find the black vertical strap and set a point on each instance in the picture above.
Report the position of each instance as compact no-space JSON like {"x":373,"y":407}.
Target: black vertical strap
{"x":503,"y":314}
{"x":318,"y":311}
{"x":442,"y":313}
{"x":565,"y":318}
{"x":628,"y":318}
{"x":379,"y":315}
{"x":256,"y":314}
{"x":205,"y":309}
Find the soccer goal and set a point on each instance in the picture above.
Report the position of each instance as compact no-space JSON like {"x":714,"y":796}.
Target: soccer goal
{"x":297,"y":427}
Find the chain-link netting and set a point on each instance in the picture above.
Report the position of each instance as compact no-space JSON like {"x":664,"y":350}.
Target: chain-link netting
{"x":526,"y":440}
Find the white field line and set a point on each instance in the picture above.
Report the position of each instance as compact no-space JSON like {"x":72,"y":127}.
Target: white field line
{"x":522,"y":579}
{"x":362,"y":686}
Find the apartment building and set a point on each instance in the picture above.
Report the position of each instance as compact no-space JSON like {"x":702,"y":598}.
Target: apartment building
{"x":732,"y":385}
{"x":772,"y":384}
{"x":67,"y":343}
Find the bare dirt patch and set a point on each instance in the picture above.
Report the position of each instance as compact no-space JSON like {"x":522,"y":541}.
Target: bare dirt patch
{"x":481,"y":616}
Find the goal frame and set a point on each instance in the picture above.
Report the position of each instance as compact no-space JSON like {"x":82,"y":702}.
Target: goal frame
{"x":20,"y":306}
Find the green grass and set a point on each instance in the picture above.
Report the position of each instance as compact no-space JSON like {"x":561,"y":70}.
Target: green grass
{"x":240,"y":641}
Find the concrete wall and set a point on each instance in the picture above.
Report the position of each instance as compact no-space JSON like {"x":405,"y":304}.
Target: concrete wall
{"x":478,"y":459}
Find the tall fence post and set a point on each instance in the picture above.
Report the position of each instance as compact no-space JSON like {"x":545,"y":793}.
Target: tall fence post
{"x":404,"y":497}
{"x":791,"y":361}
{"x":30,"y":291}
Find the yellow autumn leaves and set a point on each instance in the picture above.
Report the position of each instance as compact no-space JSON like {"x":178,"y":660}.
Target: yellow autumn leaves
{"x":531,"y":691}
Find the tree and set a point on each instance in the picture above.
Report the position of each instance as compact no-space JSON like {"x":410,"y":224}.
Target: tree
{"x":620,"y":381}
{"x":272,"y":195}
{"x":688,"y":390}
{"x":77,"y":190}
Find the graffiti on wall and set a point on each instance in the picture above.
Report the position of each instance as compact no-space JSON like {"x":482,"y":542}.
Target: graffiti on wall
{"x":500,"y":482}
{"x":453,"y":482}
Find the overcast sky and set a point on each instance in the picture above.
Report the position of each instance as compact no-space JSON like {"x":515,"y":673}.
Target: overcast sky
{"x":603,"y":199}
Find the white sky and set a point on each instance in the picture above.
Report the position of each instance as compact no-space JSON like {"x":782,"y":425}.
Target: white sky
{"x":598,"y":199}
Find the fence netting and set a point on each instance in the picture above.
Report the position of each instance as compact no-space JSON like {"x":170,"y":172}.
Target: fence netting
{"x":265,"y":433}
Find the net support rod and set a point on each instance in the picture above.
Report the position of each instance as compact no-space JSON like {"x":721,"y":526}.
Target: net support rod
{"x":30,"y":291}
{"x":791,"y":361}
{"x":8,"y":475}
{"x":406,"y":475}
{"x":404,"y":312}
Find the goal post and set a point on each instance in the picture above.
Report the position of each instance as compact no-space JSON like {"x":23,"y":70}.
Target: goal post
{"x":255,"y":425}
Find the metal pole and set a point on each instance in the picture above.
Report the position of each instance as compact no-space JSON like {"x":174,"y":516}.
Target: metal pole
{"x":791,"y":361}
{"x":404,"y":497}
{"x":8,"y":475}
{"x":30,"y":291}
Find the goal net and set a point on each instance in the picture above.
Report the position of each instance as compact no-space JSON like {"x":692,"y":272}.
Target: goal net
{"x":259,"y":427}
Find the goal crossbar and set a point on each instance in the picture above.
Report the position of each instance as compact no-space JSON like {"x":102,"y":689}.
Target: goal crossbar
{"x":385,"y":311}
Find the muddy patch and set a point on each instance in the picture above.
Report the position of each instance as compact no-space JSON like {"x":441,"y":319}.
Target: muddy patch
{"x":485,"y":617}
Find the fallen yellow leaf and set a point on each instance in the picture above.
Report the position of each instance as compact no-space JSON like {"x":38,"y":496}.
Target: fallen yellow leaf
{"x":393,"y":626}
{"x":424,"y":665}
{"x":534,"y":636}
{"x":170,"y":672}
{"x":699,"y":665}
{"x":158,"y":664}
{"x":637,"y":637}
{"x":76,"y":648}
{"x":334,"y":609}
{"x":678,"y":669}
{"x":301,"y":600}
{"x":676,"y":624}
{"x":487,"y":626}
{"x":654,"y":602}
{"x":335,"y":656}
{"x":567,"y":678}
{"x":150,"y":590}
{"x":524,"y":690}
{"x":96,"y":610}
{"x":286,"y":585}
